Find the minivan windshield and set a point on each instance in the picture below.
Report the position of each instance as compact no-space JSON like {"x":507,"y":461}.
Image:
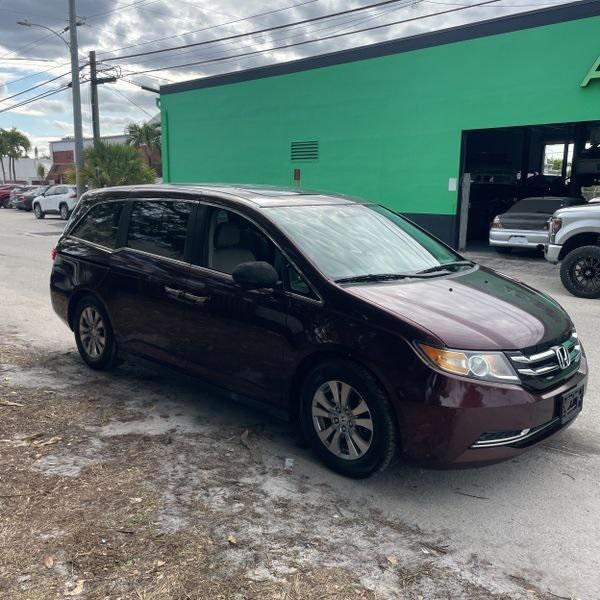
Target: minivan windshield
{"x":363,"y":242}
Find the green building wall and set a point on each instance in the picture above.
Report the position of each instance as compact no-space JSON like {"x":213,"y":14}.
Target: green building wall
{"x":389,"y":128}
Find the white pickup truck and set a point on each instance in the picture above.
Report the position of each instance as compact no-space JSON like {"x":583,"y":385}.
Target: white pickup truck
{"x":574,"y":241}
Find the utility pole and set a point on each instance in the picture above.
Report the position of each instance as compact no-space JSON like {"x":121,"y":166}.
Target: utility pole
{"x":77,"y":127}
{"x":94,"y":98}
{"x":95,"y":81}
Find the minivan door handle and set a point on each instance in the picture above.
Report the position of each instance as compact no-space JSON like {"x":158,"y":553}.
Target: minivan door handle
{"x":192,"y":298}
{"x":174,"y":293}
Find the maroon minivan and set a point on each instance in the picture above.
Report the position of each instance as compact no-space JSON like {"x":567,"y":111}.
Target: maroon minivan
{"x":378,"y":338}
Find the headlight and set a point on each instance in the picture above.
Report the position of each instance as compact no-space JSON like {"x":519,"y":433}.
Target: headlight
{"x":486,"y":366}
{"x":555,"y":223}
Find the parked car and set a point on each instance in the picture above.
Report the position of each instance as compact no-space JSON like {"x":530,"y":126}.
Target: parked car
{"x":56,"y":200}
{"x":5,"y":191}
{"x":575,"y":242}
{"x":525,"y":224}
{"x":376,"y":336}
{"x":25,"y":199}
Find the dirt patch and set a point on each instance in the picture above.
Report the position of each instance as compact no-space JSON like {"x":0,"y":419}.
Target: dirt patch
{"x":121,"y":486}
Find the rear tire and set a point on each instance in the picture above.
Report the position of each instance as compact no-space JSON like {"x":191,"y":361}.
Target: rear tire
{"x":38,"y":212}
{"x":94,"y":335}
{"x":580,"y":272}
{"x":347,"y":419}
{"x":64,"y":212}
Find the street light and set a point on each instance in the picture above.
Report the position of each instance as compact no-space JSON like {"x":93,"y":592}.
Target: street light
{"x":58,"y":34}
{"x":74,"y":22}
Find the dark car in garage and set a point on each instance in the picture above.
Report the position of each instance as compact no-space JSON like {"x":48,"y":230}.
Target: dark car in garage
{"x":376,"y":337}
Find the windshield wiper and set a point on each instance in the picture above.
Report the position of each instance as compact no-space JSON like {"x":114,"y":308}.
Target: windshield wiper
{"x":374,"y":277}
{"x":447,"y":266}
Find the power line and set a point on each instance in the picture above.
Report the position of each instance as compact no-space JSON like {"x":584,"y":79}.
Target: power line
{"x":35,"y":87}
{"x":239,"y":20}
{"x":329,"y":37}
{"x":115,"y":90}
{"x":35,"y":98}
{"x":333,"y":27}
{"x":267,"y":29}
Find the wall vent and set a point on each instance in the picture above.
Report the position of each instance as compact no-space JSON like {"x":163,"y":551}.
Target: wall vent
{"x":304,"y":150}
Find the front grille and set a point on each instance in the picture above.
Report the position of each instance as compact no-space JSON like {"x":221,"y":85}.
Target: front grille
{"x":543,"y":369}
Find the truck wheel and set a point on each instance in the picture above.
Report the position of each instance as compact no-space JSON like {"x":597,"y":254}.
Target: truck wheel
{"x":580,"y":272}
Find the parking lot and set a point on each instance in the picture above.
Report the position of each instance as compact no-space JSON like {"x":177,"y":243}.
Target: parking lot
{"x":143,"y":483}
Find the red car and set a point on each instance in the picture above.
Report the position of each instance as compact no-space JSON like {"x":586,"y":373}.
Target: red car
{"x":5,"y":191}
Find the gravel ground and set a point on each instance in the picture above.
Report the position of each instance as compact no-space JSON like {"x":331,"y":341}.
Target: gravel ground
{"x":142,"y":483}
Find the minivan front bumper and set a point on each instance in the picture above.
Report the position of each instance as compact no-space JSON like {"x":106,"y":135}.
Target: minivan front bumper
{"x":466,"y":423}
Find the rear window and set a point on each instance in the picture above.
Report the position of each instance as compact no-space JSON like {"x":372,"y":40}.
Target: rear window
{"x":159,"y":227}
{"x":100,"y":225}
{"x":543,"y":205}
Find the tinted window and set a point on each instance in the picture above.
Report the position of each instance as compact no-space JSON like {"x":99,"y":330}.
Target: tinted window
{"x":101,"y":224}
{"x":350,"y":240}
{"x":159,"y":227}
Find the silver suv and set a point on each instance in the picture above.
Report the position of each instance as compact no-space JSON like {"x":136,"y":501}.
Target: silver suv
{"x":574,"y":241}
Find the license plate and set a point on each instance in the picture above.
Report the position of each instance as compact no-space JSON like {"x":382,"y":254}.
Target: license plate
{"x":570,"y":404}
{"x":518,"y":239}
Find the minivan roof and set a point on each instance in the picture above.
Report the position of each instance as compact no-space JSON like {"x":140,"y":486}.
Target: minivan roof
{"x":262,"y":196}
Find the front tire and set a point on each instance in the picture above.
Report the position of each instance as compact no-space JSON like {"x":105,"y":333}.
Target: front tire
{"x":64,"y":212}
{"x":94,"y":335}
{"x":38,"y":212}
{"x":347,"y":419}
{"x":580,"y":272}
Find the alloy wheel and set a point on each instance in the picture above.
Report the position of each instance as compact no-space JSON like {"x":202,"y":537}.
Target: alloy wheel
{"x":342,"y":420}
{"x":585,"y":273}
{"x":92,"y":332}
{"x":64,"y":212}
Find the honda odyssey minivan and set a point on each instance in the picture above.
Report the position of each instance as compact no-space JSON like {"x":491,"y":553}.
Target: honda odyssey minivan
{"x":336,"y":312}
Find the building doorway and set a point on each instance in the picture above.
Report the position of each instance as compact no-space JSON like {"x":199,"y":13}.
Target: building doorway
{"x":501,"y":166}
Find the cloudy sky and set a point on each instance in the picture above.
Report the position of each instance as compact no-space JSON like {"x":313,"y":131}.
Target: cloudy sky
{"x":30,"y":56}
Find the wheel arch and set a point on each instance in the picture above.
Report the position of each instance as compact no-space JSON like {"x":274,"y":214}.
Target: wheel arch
{"x":587,"y":238}
{"x":74,"y":301}
{"x":310,"y":361}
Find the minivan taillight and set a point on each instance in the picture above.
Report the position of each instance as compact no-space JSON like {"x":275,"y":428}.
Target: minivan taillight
{"x":496,"y":224}
{"x":53,"y":254}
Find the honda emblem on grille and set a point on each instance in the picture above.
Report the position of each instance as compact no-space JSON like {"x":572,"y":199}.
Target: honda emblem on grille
{"x":563,"y":356}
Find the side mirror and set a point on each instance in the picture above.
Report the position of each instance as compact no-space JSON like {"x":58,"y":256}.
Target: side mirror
{"x":255,"y":275}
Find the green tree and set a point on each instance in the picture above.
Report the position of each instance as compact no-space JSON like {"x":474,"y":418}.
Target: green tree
{"x":145,"y":137}
{"x":3,"y":151}
{"x":41,"y":171}
{"x":13,"y":144}
{"x":113,"y":164}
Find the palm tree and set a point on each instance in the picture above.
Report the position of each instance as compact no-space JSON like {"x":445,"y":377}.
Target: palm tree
{"x":15,"y":145}
{"x":145,"y":137}
{"x":113,"y":164}
{"x":3,"y":152}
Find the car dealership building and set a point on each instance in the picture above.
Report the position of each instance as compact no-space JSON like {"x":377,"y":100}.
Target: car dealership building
{"x":449,"y":127}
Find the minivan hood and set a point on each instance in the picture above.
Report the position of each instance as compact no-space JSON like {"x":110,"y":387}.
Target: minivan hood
{"x":477,"y":309}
